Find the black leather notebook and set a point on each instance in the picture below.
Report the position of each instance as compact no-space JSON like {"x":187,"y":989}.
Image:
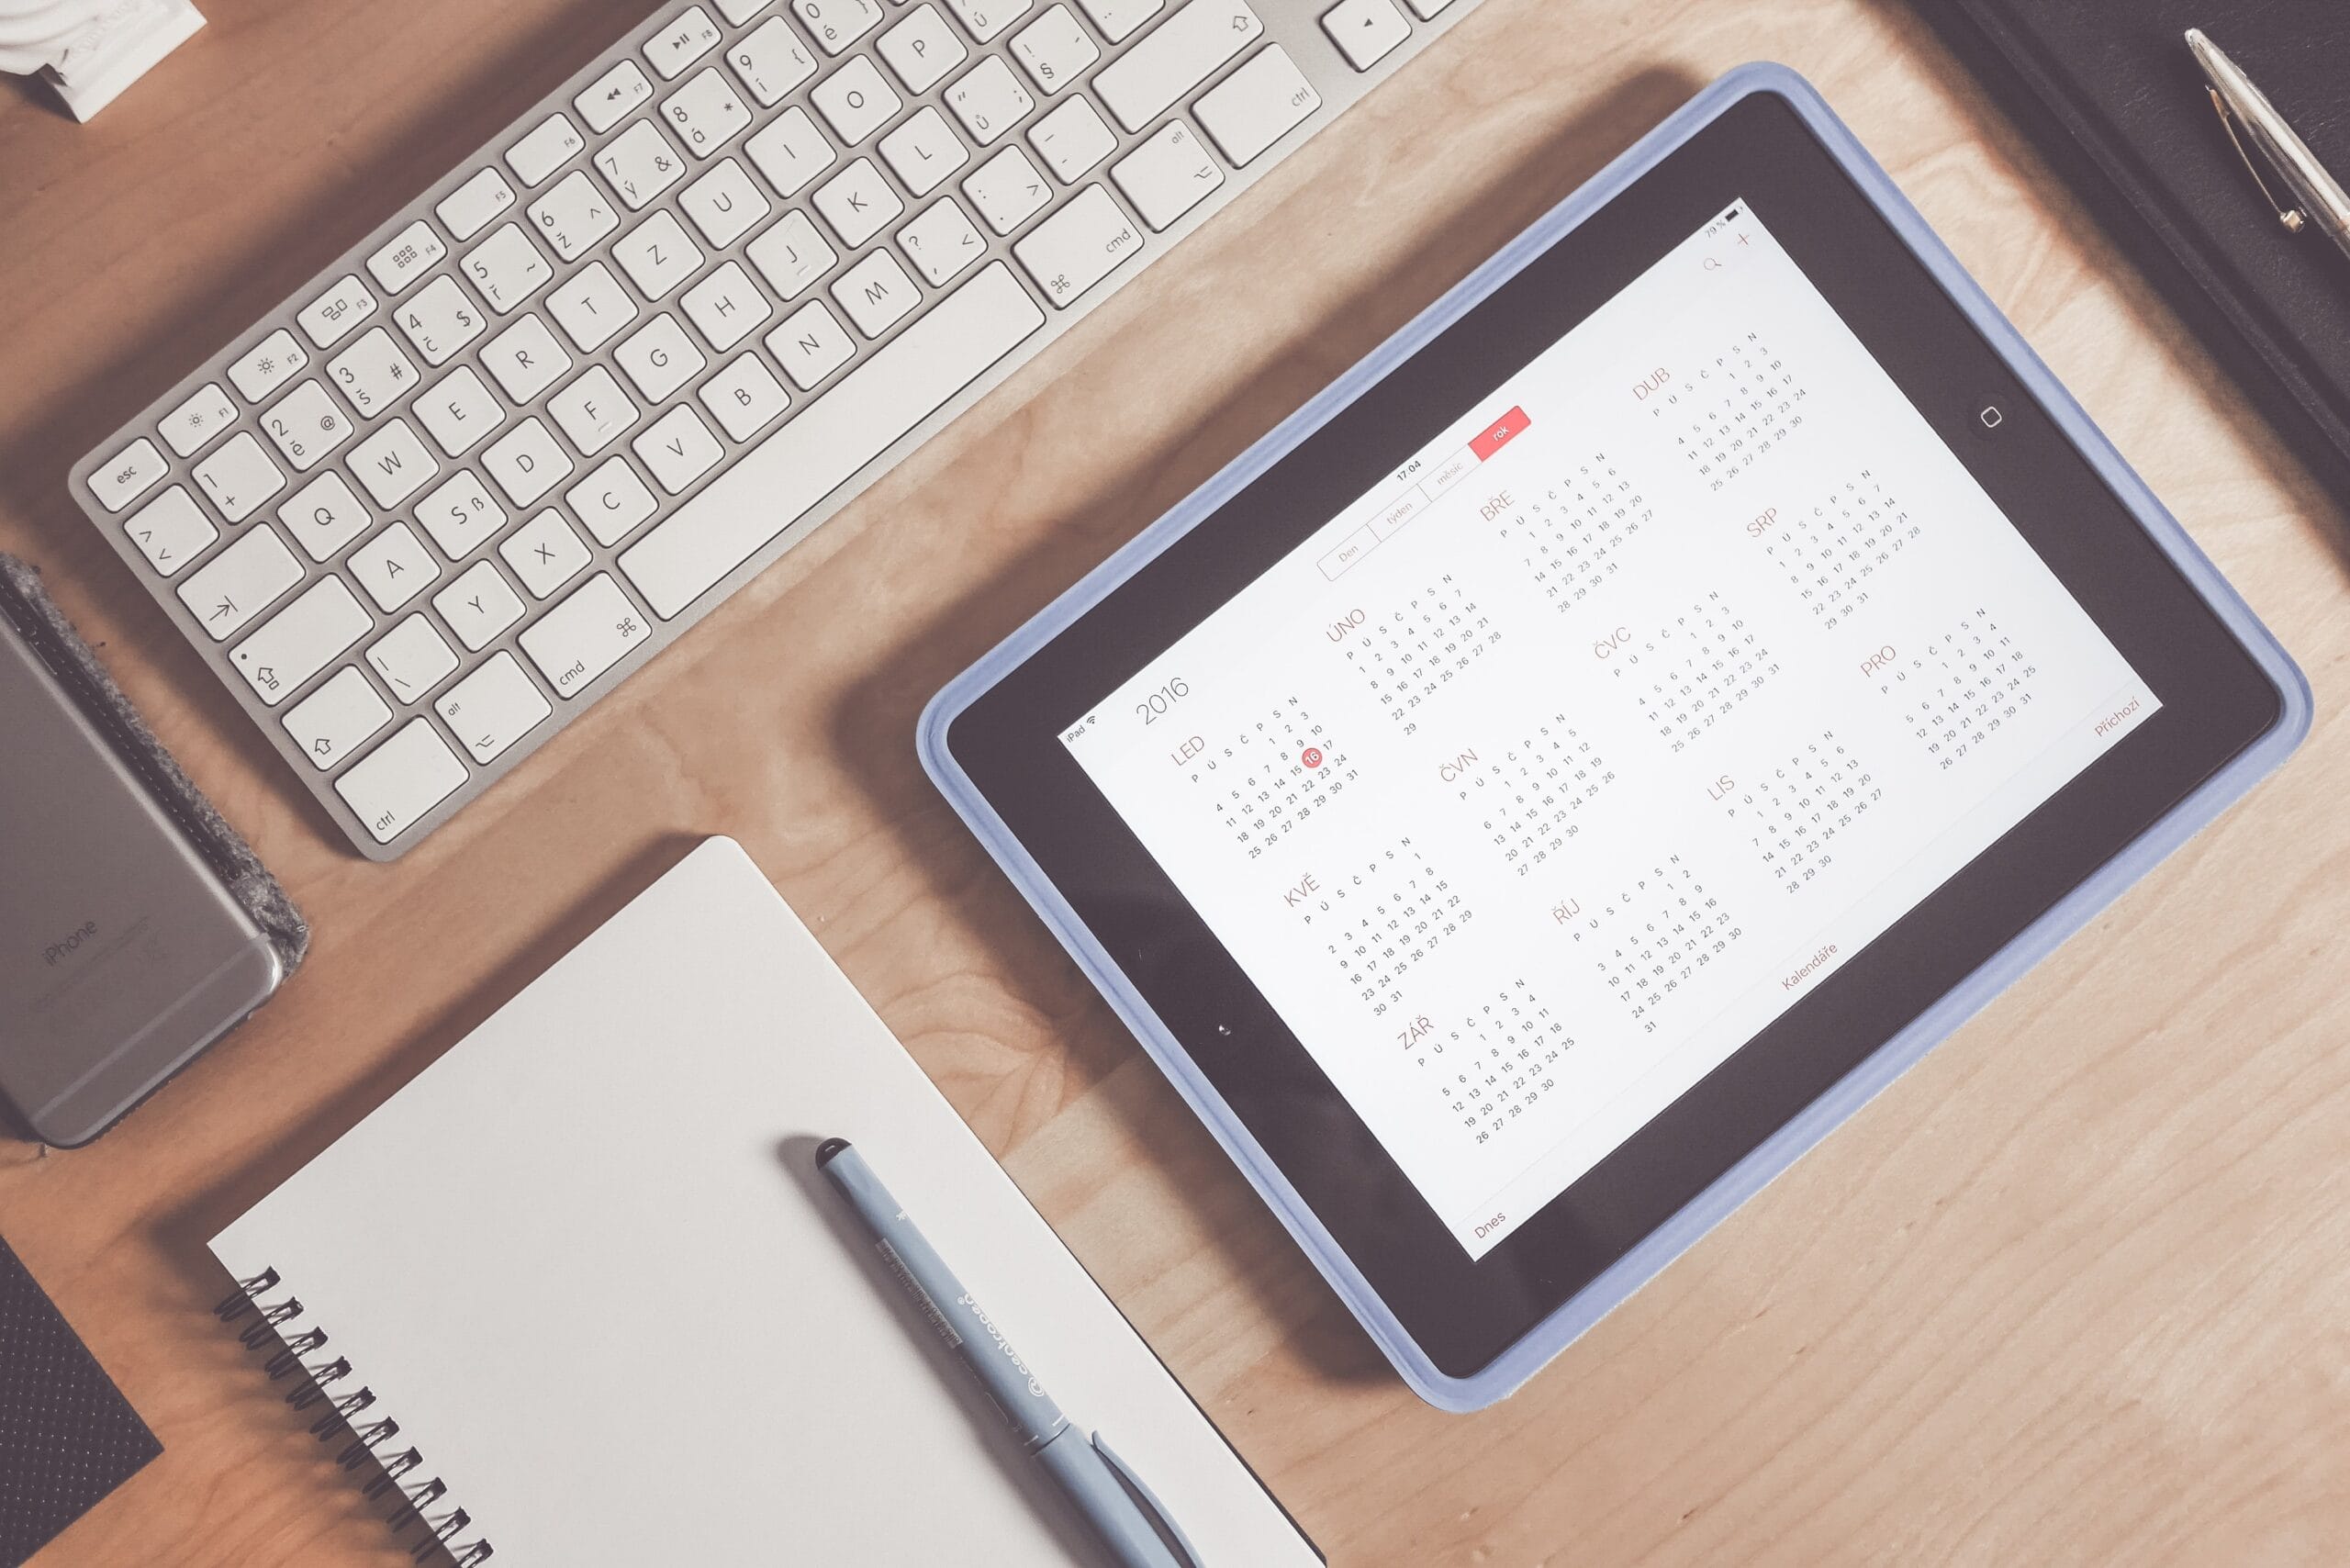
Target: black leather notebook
{"x":67,"y":1436}
{"x":2109,"y":92}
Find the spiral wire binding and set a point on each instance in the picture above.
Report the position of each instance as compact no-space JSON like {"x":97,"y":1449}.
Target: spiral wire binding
{"x":422,"y":1501}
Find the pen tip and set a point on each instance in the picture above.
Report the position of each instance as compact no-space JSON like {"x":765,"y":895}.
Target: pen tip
{"x":827,"y":1149}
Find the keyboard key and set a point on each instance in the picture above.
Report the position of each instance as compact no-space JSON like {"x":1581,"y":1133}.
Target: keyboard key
{"x":706,"y":113}
{"x":393,"y":463}
{"x":508,"y":268}
{"x":238,"y":476}
{"x":410,"y":255}
{"x":1071,"y":140}
{"x":554,"y":143}
{"x":941,"y":242}
{"x":394,"y":567}
{"x":439,"y":320}
{"x":682,"y":42}
{"x":205,"y":414}
{"x":525,"y":359}
{"x":301,"y":640}
{"x":856,"y":101}
{"x":1186,"y":49}
{"x":737,"y":12}
{"x":989,"y":100}
{"x":837,"y":23}
{"x":493,"y":708}
{"x":858,"y":203}
{"x":725,"y":204}
{"x":585,"y":635}
{"x":657,"y":255}
{"x":877,"y":294}
{"x":924,"y":151}
{"x":268,"y":365}
{"x":593,"y":410}
{"x":393,"y":787}
{"x":790,"y":151}
{"x":323,"y":516}
{"x":1168,"y":176}
{"x":1424,"y":10}
{"x":678,"y":448}
{"x":478,"y":606}
{"x":1119,"y":18}
{"x":460,"y":514}
{"x":1257,"y":105}
{"x":640,"y":164}
{"x":240,"y":582}
{"x":1365,"y":30}
{"x":904,"y":381}
{"x":373,"y":373}
{"x":1007,"y":190}
{"x":459,"y":411}
{"x":811,"y":344}
{"x":611,"y":500}
{"x":988,"y":17}
{"x":591,"y":306}
{"x":1079,"y":245}
{"x":610,"y":98}
{"x":572,"y":215}
{"x":306,"y":425}
{"x":791,"y":255}
{"x":527,"y":462}
{"x":771,"y":61}
{"x":412,"y":658}
{"x":468,"y":209}
{"x":726,"y":305}
{"x":332,"y":314}
{"x":923,"y":50}
{"x":543,"y":553}
{"x":337,"y":719}
{"x":743,"y":397}
{"x":1053,"y":50}
{"x":171,"y":531}
{"x":660,"y":358}
{"x":133,"y":469}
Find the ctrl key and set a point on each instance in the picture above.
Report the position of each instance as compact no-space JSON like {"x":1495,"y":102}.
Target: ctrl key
{"x":585,"y":635}
{"x":392,"y":787}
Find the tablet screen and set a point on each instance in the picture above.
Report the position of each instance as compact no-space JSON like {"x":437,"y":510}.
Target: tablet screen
{"x":1611,"y":723}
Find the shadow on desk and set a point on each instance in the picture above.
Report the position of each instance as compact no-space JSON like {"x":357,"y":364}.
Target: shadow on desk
{"x":872,"y":728}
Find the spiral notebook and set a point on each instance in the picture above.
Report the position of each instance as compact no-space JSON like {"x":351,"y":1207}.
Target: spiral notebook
{"x":574,"y":1295}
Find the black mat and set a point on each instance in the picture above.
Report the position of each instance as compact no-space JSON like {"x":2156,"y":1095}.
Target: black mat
{"x":67,"y":1436}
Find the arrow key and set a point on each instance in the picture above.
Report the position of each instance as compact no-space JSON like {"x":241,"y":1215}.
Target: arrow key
{"x":1365,"y":30}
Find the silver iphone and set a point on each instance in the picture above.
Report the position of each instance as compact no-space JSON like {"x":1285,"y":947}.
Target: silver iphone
{"x":121,"y":953}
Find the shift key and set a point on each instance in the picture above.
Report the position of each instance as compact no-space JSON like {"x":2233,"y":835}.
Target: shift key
{"x":1189,"y":47}
{"x":585,"y":635}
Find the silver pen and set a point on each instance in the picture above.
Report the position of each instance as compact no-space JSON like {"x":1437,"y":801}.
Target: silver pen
{"x":2318,"y":197}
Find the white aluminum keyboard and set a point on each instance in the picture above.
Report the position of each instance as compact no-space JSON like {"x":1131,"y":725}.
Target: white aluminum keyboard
{"x":596,"y":377}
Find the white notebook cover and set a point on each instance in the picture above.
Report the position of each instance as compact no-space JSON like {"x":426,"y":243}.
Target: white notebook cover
{"x":584,"y":1260}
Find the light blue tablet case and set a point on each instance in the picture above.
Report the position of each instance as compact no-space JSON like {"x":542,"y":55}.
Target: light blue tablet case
{"x":1522,"y":1360}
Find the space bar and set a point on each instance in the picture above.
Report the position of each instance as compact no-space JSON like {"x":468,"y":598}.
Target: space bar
{"x":834,"y":437}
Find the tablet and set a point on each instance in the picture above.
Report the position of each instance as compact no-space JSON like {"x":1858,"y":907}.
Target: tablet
{"x":1567,"y":767}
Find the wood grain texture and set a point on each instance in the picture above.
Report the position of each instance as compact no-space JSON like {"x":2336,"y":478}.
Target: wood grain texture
{"x":2070,"y":1292}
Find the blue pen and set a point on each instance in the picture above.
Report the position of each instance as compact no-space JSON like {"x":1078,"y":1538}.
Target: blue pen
{"x":1112,"y":1499}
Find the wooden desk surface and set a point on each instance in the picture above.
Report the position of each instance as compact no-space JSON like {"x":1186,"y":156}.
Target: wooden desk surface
{"x":2072,"y":1290}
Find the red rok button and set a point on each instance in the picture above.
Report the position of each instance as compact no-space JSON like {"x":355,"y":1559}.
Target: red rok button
{"x":1494,"y":436}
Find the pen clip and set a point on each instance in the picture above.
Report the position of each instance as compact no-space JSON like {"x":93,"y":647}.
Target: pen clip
{"x":1160,"y":1517}
{"x":2290,"y":217}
